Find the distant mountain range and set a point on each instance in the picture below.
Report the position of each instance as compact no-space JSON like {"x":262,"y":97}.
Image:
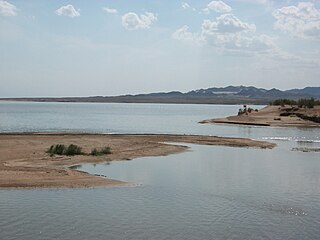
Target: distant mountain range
{"x":253,"y":92}
{"x":214,"y":95}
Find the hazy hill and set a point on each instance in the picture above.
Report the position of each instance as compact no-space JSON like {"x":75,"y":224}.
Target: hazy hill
{"x":214,"y":95}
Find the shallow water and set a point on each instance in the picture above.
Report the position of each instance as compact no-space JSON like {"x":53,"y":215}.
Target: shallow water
{"x":209,"y":192}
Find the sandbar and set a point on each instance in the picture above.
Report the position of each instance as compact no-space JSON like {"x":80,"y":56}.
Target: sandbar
{"x":306,"y":149}
{"x":24,"y":162}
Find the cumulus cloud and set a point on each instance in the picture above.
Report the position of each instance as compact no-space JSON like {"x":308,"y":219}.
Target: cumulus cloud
{"x":7,"y":9}
{"x":227,"y":23}
{"x":302,"y":20}
{"x":133,"y":21}
{"x":68,"y":10}
{"x":110,"y":10}
{"x":227,"y":33}
{"x":218,"y":6}
{"x":240,"y":42}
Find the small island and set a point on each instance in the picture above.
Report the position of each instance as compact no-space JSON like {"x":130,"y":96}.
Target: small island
{"x":280,"y":113}
{"x":45,"y":160}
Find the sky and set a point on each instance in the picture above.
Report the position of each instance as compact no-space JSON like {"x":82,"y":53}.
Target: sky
{"x":115,"y":47}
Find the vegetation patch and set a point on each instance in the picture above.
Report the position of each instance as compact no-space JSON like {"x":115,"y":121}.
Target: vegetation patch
{"x":72,"y":150}
{"x":60,"y":149}
{"x":303,"y":102}
{"x":103,"y":151}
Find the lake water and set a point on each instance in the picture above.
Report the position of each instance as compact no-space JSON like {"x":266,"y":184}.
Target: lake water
{"x":209,"y":192}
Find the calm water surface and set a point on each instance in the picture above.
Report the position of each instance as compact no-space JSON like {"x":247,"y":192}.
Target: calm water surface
{"x":209,"y":192}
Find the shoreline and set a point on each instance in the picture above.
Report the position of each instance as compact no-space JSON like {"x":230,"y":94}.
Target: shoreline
{"x":273,"y":116}
{"x":25,"y":164}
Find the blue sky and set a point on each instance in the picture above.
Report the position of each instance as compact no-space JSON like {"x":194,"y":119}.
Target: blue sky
{"x":97,"y":47}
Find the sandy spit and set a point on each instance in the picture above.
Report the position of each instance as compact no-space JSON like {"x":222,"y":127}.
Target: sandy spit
{"x":24,"y":162}
{"x":270,"y":116}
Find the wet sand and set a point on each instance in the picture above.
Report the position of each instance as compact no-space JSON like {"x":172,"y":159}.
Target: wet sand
{"x":24,"y":162}
{"x":270,"y":116}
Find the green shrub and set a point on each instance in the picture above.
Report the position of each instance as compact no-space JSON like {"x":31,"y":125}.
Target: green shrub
{"x":283,"y":102}
{"x":103,"y":151}
{"x":309,"y":103}
{"x":95,"y":152}
{"x":61,"y":149}
{"x":73,"y":150}
{"x":58,"y":149}
{"x":106,"y":150}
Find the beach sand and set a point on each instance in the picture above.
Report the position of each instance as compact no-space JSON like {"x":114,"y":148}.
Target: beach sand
{"x":24,"y":162}
{"x":270,"y":116}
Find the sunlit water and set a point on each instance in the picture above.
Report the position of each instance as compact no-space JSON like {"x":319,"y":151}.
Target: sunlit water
{"x":209,"y":192}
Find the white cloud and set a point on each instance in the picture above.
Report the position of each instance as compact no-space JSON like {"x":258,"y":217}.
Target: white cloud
{"x":283,"y":57}
{"x":185,"y":5}
{"x":133,"y":21}
{"x":239,"y":39}
{"x":218,"y":6}
{"x":240,"y":42}
{"x":261,"y":43}
{"x":301,"y":21}
{"x":68,"y":10}
{"x":184,"y":34}
{"x":7,"y":9}
{"x":110,"y":10}
{"x":263,"y":2}
{"x":227,"y":23}
{"x":227,"y":33}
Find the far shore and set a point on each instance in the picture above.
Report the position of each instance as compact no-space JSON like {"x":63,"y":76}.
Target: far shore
{"x":275,"y":116}
{"x":24,"y":162}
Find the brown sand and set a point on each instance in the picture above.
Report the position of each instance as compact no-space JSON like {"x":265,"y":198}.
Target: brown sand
{"x":24,"y":163}
{"x":270,"y":116}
